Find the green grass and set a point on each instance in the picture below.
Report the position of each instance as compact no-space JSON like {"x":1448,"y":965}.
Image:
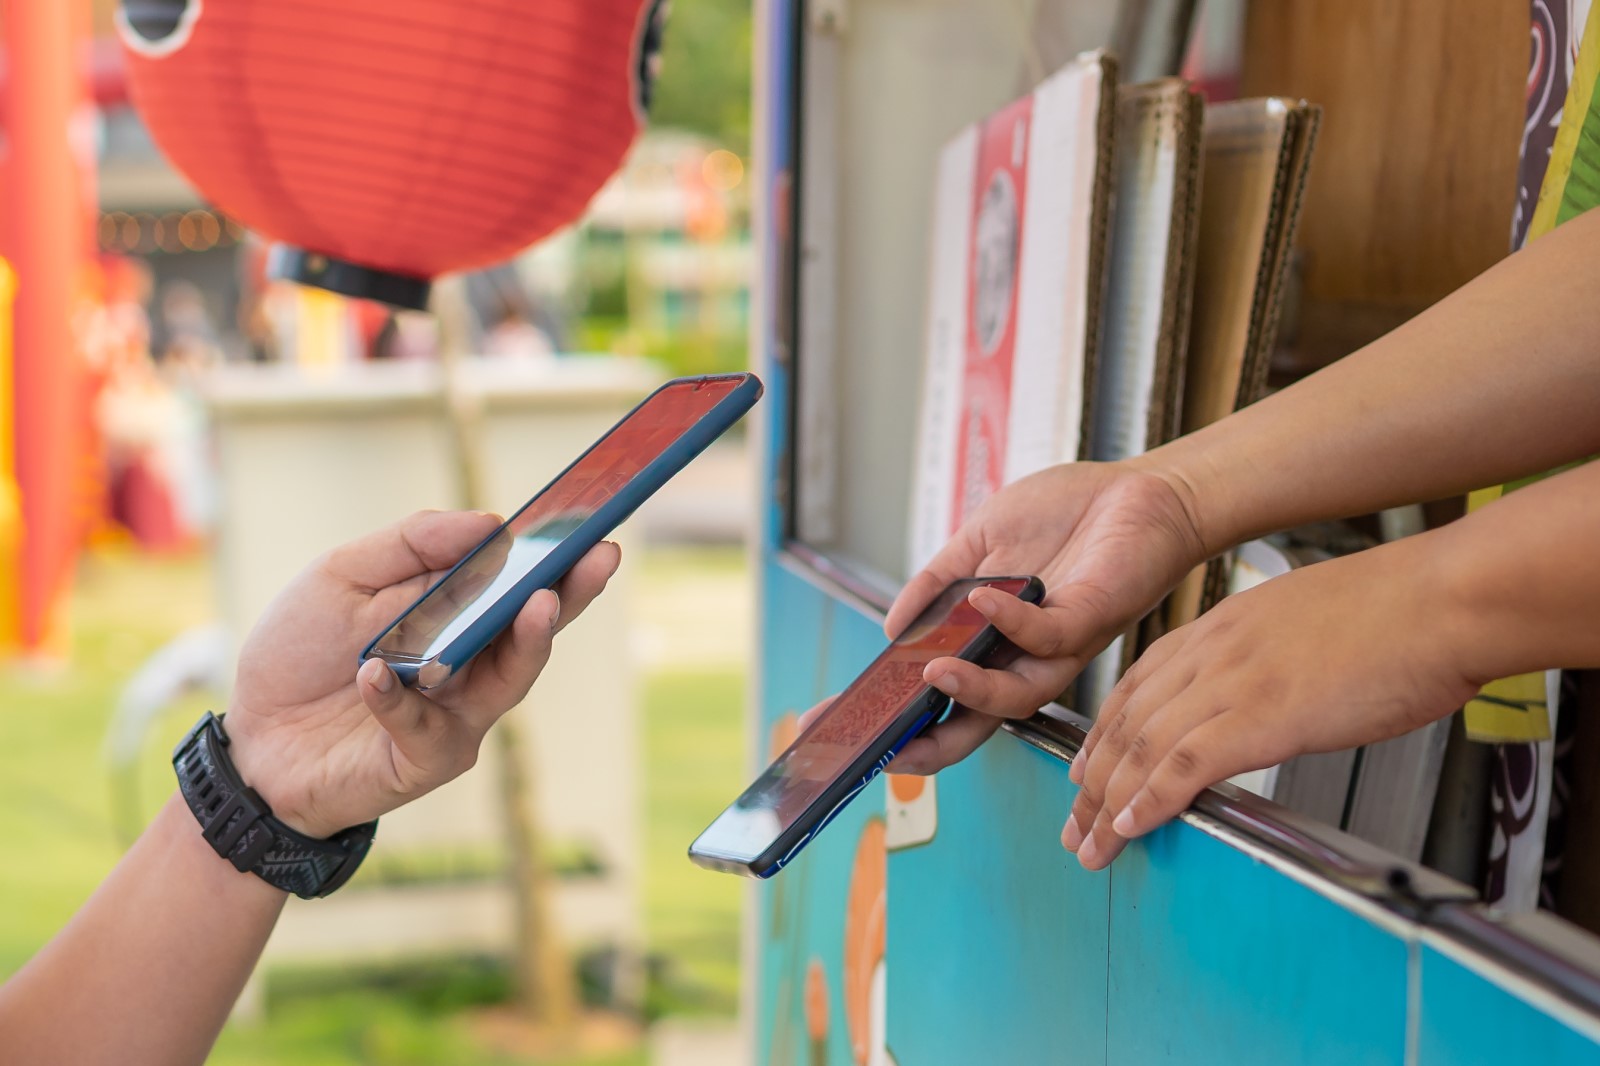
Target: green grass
{"x":58,"y":836}
{"x":694,"y":767}
{"x":56,"y":824}
{"x":444,"y":1011}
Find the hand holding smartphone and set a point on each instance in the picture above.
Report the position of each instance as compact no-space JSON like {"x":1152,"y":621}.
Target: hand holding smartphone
{"x":468,"y":607}
{"x":852,"y":740}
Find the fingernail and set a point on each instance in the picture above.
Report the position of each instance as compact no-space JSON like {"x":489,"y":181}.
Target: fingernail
{"x":947,"y":683}
{"x":379,"y":676}
{"x":1075,"y":769}
{"x":1124,"y":824}
{"x":1089,"y":853}
{"x":1071,"y":835}
{"x":555,"y":611}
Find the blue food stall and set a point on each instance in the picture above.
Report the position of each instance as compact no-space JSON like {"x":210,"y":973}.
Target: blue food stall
{"x":939,"y":921}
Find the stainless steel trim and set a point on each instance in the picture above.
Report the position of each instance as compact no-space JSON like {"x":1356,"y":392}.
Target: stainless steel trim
{"x":869,"y":592}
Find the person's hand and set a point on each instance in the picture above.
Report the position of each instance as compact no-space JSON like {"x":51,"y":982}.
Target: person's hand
{"x":1107,"y":540}
{"x":329,"y":748}
{"x":1342,"y":653}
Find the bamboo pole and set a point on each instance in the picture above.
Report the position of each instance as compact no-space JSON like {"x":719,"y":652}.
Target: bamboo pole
{"x":546,"y":984}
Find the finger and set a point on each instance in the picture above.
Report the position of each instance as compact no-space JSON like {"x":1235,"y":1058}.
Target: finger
{"x":1039,"y":631}
{"x":947,"y":743}
{"x":1014,"y":692}
{"x":956,"y":560}
{"x":1124,"y":762}
{"x":1115,"y":734}
{"x":1198,"y":760}
{"x":422,"y":731}
{"x":805,"y":720}
{"x":421,"y":543}
{"x":920,"y":591}
{"x":1101,"y":749}
{"x":499,"y":678}
{"x":1143,"y":668}
{"x":1101,"y":846}
{"x":587,"y":580}
{"x":1215,"y":751}
{"x":1146,"y":738}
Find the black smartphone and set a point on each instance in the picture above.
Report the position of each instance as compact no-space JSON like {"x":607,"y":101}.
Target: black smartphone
{"x":852,"y":741}
{"x":458,"y":617}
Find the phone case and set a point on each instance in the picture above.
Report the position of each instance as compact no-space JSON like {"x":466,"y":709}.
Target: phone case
{"x":430,"y":673}
{"x":921,"y":713}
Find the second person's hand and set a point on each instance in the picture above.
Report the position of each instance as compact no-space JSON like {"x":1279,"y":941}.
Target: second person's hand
{"x":1107,"y":539}
{"x":1346,"y":652}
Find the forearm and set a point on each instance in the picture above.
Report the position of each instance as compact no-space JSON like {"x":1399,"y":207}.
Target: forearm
{"x":1496,"y":381}
{"x":147,"y":971}
{"x":1523,"y":578}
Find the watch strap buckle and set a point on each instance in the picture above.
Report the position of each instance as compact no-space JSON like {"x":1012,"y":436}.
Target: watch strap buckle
{"x":233,"y":822}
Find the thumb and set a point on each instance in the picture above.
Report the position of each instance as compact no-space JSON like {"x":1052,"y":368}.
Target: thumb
{"x":426,"y":735}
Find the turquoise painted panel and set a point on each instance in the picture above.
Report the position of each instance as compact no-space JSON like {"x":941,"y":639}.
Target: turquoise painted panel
{"x":819,"y":919}
{"x":795,"y":617}
{"x":1467,"y":1019}
{"x":1217,"y":958}
{"x":997,"y":943}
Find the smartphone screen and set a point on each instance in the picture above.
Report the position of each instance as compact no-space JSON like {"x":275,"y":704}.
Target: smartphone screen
{"x":854,"y":724}
{"x":544,"y":522}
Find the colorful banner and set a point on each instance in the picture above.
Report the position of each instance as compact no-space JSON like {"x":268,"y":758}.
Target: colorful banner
{"x":1514,"y":709}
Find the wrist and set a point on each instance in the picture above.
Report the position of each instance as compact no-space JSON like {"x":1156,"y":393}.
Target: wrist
{"x":241,"y":827}
{"x":1496,"y":618}
{"x":263,"y":770}
{"x":1463,"y":599}
{"x":172,"y":832}
{"x":1199,"y":492}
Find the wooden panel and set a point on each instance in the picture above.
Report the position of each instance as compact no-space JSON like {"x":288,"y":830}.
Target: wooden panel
{"x":1414,"y":179}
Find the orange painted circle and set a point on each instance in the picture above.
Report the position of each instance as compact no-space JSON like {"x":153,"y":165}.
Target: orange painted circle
{"x":907,"y":787}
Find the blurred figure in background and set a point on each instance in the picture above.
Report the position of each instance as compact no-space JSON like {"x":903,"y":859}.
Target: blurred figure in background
{"x":150,"y":418}
{"x":183,"y":322}
{"x":512,"y":336}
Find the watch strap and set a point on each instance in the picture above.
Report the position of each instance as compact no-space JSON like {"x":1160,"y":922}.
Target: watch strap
{"x":241,"y":827}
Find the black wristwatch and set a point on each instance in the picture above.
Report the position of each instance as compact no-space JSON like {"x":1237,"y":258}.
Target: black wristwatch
{"x":237,"y":822}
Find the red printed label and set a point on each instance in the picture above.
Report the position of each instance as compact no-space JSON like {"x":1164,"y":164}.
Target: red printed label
{"x":995,"y":250}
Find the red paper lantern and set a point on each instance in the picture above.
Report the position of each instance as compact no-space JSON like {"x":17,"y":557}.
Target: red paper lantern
{"x":385,"y":142}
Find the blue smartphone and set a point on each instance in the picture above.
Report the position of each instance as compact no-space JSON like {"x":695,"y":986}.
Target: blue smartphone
{"x":852,"y":741}
{"x":464,"y":610}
